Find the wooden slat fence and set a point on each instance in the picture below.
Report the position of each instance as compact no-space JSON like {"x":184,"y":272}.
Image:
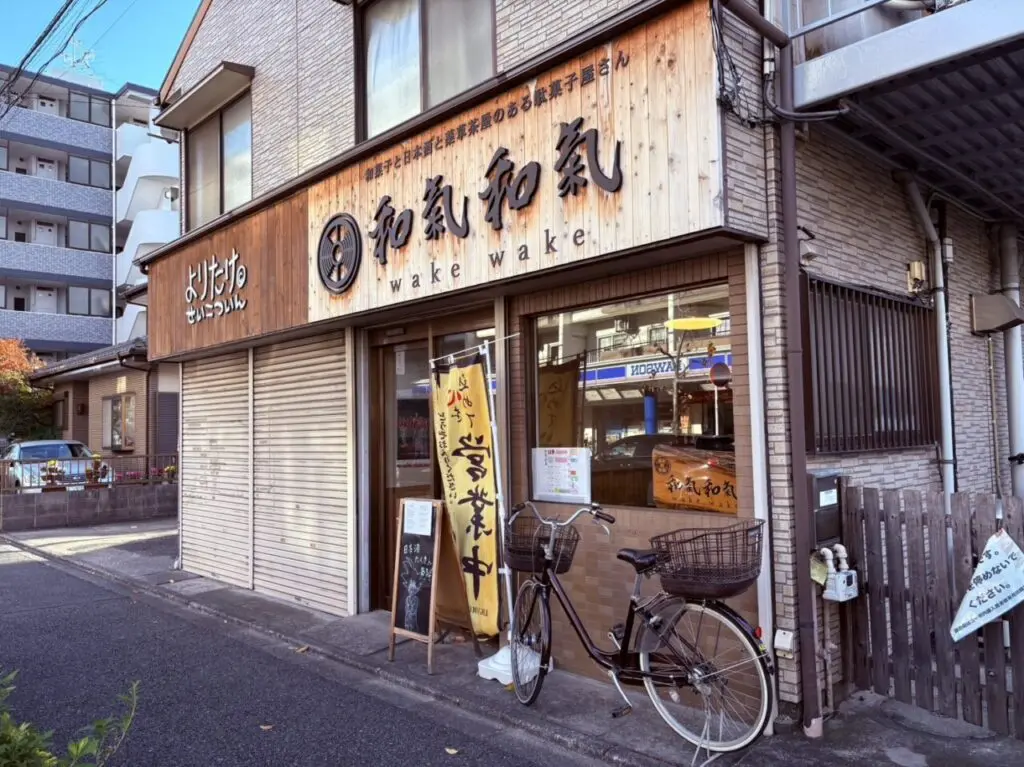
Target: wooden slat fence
{"x":915,"y":562}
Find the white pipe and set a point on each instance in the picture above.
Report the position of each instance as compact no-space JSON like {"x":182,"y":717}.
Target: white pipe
{"x":1012,"y":355}
{"x":759,"y":449}
{"x":946,"y":458}
{"x":828,"y":556}
{"x":841,"y":555}
{"x":113,"y":221}
{"x":179,"y":565}
{"x":909,"y":5}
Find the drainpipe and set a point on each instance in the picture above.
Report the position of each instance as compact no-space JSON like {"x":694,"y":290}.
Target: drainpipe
{"x":802,"y":519}
{"x":947,"y":458}
{"x":1009,"y":272}
{"x":113,"y":223}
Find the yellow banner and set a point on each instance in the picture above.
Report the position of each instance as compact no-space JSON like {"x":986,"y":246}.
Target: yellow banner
{"x":462,"y":426}
{"x":703,"y":480}
{"x":557,"y":390}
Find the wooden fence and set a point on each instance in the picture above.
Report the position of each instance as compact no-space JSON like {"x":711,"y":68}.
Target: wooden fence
{"x":912,"y":581}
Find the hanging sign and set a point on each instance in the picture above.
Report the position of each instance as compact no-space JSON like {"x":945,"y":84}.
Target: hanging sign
{"x":996,"y":587}
{"x":465,"y":454}
{"x":557,"y":393}
{"x":687,"y":478}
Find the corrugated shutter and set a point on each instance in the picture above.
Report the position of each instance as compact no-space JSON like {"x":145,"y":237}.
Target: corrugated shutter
{"x":215,"y":489}
{"x":300,"y":465}
{"x":166,"y":423}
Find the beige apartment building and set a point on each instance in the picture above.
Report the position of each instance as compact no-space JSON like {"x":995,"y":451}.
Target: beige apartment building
{"x":841,"y":262}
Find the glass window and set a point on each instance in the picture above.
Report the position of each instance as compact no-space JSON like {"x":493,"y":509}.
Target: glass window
{"x":99,"y":173}
{"x":119,"y":422}
{"x":400,"y":80}
{"x":78,"y":107}
{"x":3,"y":226}
{"x":46,"y":452}
{"x":99,"y":112}
{"x":99,"y":303}
{"x":99,"y":238}
{"x":3,"y":156}
{"x":645,"y":385}
{"x":237,"y":132}
{"x":60,"y":414}
{"x":78,"y":170}
{"x":78,"y":300}
{"x":78,"y":235}
{"x":3,"y":296}
{"x":202,"y":145}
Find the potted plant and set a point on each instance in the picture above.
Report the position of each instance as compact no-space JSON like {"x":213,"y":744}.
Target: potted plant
{"x":51,"y":475}
{"x":170,"y":472}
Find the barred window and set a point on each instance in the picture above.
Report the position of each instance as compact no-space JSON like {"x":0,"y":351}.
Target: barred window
{"x":871,"y":369}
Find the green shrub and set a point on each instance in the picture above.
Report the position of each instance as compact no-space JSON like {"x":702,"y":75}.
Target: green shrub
{"x":22,"y":745}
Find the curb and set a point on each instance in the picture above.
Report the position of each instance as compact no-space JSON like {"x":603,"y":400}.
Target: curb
{"x":582,"y":743}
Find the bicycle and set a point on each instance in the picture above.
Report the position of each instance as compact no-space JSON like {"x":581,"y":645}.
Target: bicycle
{"x":697,"y":568}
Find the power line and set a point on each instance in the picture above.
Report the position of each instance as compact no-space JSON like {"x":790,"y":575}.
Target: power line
{"x":113,"y":24}
{"x":67,"y":41}
{"x":6,"y":87}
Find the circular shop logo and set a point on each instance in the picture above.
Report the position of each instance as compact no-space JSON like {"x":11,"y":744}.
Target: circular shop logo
{"x":340,"y":253}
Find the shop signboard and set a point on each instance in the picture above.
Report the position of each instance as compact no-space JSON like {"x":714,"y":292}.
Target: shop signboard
{"x":617,"y":149}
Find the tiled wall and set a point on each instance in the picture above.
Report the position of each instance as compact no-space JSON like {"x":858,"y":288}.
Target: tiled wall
{"x":130,"y":381}
{"x":50,"y":259}
{"x":599,"y":584}
{"x":23,"y":124}
{"x":60,"y":197}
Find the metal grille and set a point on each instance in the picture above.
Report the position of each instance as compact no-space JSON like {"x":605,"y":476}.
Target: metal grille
{"x":871,"y":374}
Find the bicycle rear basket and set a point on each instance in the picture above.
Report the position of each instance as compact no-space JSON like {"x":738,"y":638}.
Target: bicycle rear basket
{"x":525,"y":541}
{"x":710,"y":563}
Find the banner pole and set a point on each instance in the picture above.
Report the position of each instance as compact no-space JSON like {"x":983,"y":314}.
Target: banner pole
{"x":496,"y":445}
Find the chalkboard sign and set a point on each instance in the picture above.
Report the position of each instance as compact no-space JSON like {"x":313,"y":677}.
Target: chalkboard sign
{"x":414,"y":584}
{"x":429,"y":587}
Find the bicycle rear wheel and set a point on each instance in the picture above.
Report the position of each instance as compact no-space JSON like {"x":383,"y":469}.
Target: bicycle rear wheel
{"x":726,"y":700}
{"x":530,"y":647}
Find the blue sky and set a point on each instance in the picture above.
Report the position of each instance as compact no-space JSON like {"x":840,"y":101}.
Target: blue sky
{"x":133,"y":40}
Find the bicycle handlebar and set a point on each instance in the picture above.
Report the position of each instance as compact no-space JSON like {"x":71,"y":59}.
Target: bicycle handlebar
{"x":593,"y":509}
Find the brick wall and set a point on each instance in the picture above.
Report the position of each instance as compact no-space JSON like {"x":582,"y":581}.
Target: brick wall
{"x":599,"y":584}
{"x":35,"y":511}
{"x":129,"y":381}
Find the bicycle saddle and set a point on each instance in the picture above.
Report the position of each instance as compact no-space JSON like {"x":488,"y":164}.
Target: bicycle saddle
{"x":641,"y":559}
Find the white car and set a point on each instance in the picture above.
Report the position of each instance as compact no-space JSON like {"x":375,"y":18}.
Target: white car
{"x":25,"y":464}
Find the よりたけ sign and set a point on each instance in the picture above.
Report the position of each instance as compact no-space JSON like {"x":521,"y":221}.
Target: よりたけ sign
{"x":214,"y":288}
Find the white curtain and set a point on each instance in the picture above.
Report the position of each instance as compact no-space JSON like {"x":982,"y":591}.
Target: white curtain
{"x":460,"y":48}
{"x":202,"y":145}
{"x":392,"y":63}
{"x":237,"y":127}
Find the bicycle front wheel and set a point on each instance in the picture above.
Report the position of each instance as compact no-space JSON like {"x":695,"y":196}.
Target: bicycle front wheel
{"x":530,"y":645}
{"x":726,"y":700}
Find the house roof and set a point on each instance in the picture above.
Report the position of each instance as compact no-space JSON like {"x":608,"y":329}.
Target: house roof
{"x":179,"y":57}
{"x":134,"y":348}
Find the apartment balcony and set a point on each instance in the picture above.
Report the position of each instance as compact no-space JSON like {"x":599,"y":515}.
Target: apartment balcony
{"x":47,"y":195}
{"x":129,"y":138}
{"x":23,"y":124}
{"x":150,"y":230}
{"x":154,"y":168}
{"x":941,"y":93}
{"x":131,"y":324}
{"x":49,"y":262}
{"x":59,"y":332}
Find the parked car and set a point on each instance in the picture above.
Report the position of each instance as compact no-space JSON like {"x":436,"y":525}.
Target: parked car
{"x":25,"y":464}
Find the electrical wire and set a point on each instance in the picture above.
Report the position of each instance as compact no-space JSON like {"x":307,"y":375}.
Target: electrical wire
{"x":8,"y":85}
{"x":67,"y":41}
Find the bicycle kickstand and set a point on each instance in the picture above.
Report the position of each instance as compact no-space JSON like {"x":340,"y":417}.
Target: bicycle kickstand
{"x":623,"y":710}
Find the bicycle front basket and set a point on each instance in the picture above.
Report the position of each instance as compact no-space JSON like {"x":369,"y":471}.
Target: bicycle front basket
{"x":525,"y":539}
{"x":710,"y":563}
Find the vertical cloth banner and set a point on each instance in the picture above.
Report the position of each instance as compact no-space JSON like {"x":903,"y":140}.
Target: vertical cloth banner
{"x":557,"y":390}
{"x":465,"y":455}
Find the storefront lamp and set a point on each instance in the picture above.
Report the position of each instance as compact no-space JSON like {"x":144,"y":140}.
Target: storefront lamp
{"x":693,"y":323}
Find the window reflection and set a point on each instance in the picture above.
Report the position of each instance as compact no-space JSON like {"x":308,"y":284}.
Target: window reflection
{"x":645,"y":384}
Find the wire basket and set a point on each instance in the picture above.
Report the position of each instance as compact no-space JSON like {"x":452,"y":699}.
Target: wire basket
{"x":710,"y":563}
{"x":525,"y":542}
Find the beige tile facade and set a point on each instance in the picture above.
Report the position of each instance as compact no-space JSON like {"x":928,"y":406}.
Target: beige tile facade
{"x":103,"y":386}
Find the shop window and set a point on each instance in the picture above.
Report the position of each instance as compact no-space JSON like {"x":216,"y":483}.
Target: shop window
{"x":219,"y":163}
{"x":94,"y":302}
{"x":871,"y":370}
{"x":89,"y":172}
{"x":645,"y":385}
{"x":420,"y":53}
{"x":119,"y":422}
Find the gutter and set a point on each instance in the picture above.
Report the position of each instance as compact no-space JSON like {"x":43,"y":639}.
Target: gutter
{"x":802,"y":519}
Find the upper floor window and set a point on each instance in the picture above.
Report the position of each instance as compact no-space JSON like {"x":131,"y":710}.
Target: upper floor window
{"x":88,"y":108}
{"x":82,"y":170}
{"x":420,"y":53}
{"x":86,"y":236}
{"x":3,"y":155}
{"x":89,"y":302}
{"x":219,"y":163}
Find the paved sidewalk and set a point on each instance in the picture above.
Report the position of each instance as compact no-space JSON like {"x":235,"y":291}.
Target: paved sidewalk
{"x":572,"y":711}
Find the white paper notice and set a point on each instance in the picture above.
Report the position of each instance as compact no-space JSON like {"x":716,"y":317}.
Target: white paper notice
{"x":561,"y":474}
{"x":419,"y":518}
{"x":996,"y":587}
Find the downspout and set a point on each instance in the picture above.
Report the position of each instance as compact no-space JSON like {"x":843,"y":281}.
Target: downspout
{"x":802,"y":519}
{"x":947,"y":458}
{"x":113,"y":222}
{"x":1013,"y":357}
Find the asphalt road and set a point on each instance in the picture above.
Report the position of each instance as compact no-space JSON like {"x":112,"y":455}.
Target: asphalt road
{"x":208,"y":689}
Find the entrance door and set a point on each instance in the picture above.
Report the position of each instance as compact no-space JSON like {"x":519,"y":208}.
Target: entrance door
{"x":401,"y":430}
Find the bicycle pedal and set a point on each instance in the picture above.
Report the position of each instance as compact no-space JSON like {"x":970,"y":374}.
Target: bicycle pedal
{"x":623,"y":711}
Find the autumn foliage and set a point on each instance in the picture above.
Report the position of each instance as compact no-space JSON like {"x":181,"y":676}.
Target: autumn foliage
{"x":25,"y":412}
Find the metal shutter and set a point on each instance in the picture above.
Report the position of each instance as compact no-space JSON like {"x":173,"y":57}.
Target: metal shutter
{"x":215,"y":476}
{"x":166,"y":423}
{"x":300,"y":472}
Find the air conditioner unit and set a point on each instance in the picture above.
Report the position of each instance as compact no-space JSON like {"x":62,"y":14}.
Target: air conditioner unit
{"x":625,"y":325}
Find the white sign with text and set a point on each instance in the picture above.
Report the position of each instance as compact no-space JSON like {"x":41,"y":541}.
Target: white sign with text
{"x":996,"y":587}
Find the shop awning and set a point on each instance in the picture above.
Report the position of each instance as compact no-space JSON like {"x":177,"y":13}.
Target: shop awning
{"x":226,"y":81}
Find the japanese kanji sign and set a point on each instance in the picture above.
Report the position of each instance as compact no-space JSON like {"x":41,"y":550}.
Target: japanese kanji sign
{"x":557,"y":400}
{"x":214,"y":288}
{"x":462,"y":429}
{"x":686,"y":478}
{"x":996,"y":587}
{"x":609,"y":152}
